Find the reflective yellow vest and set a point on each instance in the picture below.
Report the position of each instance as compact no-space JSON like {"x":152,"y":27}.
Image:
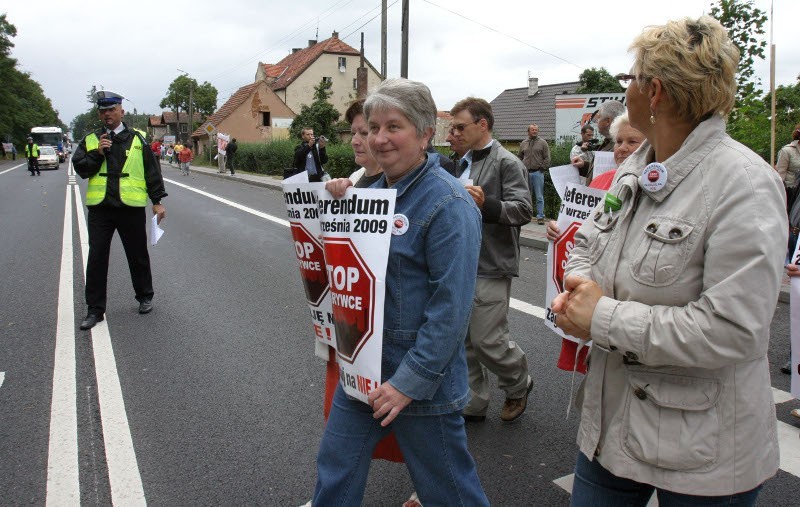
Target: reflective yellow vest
{"x":132,"y":186}
{"x":35,"y":151}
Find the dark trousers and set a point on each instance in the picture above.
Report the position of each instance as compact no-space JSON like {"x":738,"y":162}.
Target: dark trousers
{"x":130,"y":223}
{"x":33,"y":164}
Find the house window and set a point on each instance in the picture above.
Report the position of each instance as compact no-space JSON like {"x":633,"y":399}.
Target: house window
{"x":327,"y":80}
{"x":355,"y":84}
{"x":184,"y":128}
{"x":342,"y":63}
{"x":267,"y":121}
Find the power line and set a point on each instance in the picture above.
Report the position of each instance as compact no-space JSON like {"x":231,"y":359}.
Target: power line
{"x":369,"y":21}
{"x":503,"y":34}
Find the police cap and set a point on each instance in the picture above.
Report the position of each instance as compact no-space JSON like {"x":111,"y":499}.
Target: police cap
{"x":106,"y":99}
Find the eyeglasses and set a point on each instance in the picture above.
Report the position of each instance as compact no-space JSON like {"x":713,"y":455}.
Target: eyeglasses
{"x":461,"y":126}
{"x":625,"y":79}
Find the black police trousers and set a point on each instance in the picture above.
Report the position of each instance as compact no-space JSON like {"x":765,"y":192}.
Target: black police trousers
{"x":131,"y":224}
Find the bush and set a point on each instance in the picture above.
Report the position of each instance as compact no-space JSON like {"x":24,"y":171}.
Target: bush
{"x":273,"y":157}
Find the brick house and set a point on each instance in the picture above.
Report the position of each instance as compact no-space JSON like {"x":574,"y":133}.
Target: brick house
{"x":253,"y":114}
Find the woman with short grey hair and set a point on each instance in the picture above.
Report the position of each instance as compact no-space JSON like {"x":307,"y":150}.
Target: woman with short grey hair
{"x":426,"y":313}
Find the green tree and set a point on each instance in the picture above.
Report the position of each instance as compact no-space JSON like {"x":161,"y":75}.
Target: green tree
{"x":745,"y":26}
{"x":23,"y":103}
{"x":320,"y":115}
{"x":751,"y":125}
{"x":204,"y":96}
{"x":598,"y":81}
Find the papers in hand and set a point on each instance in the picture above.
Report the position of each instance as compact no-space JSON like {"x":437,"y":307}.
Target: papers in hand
{"x":155,"y":231}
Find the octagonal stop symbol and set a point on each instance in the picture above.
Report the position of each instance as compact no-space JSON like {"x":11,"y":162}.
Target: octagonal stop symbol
{"x":562,"y":246}
{"x":311,"y":258}
{"x":352,"y":296}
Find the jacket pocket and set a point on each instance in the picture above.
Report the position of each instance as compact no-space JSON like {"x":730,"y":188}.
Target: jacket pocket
{"x":672,"y":421}
{"x":600,"y":234}
{"x":661,"y":256}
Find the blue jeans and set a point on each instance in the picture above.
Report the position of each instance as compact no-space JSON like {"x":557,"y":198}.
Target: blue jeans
{"x":597,"y":487}
{"x":434,"y":447}
{"x":537,"y":187}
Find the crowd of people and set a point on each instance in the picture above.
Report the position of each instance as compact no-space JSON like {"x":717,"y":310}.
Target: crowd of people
{"x":673,"y":279}
{"x":676,"y":306}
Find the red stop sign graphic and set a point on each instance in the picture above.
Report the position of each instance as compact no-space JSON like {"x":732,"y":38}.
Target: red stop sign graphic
{"x":311,"y":258}
{"x":562,"y":246}
{"x":352,"y":296}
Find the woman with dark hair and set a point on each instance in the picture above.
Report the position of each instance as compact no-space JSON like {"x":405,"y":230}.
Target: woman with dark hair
{"x":675,"y":278}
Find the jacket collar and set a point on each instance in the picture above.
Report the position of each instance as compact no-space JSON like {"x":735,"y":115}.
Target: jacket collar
{"x":411,"y":178}
{"x":476,"y":169}
{"x":704,"y":138}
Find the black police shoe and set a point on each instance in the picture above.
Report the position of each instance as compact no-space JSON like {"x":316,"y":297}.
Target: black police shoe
{"x":146,"y":305}
{"x":91,"y":320}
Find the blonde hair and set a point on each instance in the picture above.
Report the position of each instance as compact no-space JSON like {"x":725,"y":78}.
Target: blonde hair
{"x":695,"y":61}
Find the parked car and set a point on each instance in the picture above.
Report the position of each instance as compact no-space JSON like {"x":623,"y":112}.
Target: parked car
{"x":48,"y":158}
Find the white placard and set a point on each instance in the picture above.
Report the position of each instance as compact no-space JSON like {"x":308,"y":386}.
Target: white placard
{"x":301,"y":206}
{"x":603,"y":162}
{"x":356,"y":235}
{"x":563,"y":174}
{"x":576,"y":207}
{"x":794,"y":323}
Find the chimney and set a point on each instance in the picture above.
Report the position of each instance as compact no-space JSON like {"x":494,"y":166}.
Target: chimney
{"x":311,"y":42}
{"x":295,"y":50}
{"x":335,"y":35}
{"x":533,"y":86}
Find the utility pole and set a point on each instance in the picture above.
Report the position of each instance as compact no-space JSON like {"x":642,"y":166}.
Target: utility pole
{"x":191,"y":109}
{"x":404,"y":42}
{"x":383,"y":39}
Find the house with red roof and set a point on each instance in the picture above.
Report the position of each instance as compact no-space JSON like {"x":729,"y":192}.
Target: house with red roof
{"x":293,"y":79}
{"x":254,"y":113}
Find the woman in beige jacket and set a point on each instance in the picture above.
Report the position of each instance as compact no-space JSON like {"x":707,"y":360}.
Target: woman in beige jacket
{"x":675,"y":279}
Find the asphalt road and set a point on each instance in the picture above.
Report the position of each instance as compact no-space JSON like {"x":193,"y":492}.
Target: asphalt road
{"x":215,"y":398}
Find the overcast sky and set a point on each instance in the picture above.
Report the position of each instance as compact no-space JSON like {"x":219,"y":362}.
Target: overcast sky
{"x":458,"y":48}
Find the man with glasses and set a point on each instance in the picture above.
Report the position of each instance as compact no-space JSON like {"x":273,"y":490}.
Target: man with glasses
{"x":496,"y":180}
{"x":535,"y":155}
{"x":605,"y":114}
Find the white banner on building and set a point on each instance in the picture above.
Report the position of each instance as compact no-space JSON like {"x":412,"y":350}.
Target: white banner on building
{"x":576,"y":206}
{"x":575,"y":111}
{"x":356,"y":235}
{"x":301,"y":205}
{"x":794,"y":323}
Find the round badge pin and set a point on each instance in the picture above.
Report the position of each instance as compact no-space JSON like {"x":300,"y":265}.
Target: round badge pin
{"x":654,"y":177}
{"x":399,"y":224}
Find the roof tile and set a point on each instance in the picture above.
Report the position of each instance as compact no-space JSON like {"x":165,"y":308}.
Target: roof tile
{"x":236,"y":100}
{"x":514,"y":111}
{"x":286,"y":70}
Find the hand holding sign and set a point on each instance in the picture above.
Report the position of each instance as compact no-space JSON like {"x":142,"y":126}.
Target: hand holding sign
{"x":577,"y":304}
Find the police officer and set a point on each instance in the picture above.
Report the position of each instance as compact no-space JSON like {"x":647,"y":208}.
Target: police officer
{"x":32,"y":154}
{"x":123,"y":173}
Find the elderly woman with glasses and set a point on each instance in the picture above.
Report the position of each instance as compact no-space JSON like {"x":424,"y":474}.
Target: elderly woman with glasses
{"x":675,"y":279}
{"x":428,"y":302}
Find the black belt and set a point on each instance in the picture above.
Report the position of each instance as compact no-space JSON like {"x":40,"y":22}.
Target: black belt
{"x":118,"y":175}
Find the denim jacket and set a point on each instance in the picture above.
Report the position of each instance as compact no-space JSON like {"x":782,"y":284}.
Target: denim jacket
{"x":430,"y":280}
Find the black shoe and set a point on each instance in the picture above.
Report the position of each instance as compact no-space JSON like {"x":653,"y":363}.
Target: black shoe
{"x":146,"y":305}
{"x":38,"y":173}
{"x":787,"y":368}
{"x":91,"y":320}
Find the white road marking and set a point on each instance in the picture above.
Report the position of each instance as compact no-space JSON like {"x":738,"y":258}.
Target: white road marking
{"x":232,"y":204}
{"x":524,"y":307}
{"x":2,"y":378}
{"x":123,"y":468}
{"x":789,"y":442}
{"x":63,"y":485}
{"x":11,"y":168}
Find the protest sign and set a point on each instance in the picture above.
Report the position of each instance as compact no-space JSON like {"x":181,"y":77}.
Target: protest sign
{"x":301,"y":206}
{"x":563,"y":174}
{"x":794,"y":323}
{"x":603,"y":162}
{"x":356,"y":235}
{"x":576,"y":206}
